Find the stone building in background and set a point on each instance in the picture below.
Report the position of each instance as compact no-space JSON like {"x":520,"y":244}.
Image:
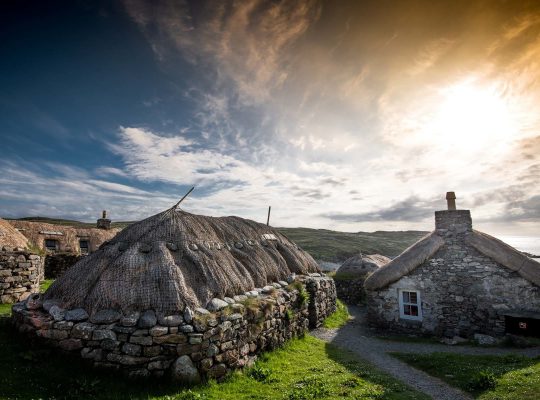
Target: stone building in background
{"x":55,"y":239}
{"x":456,"y":282}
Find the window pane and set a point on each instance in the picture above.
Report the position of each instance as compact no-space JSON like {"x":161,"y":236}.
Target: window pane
{"x":414,"y":311}
{"x":407,"y":310}
{"x":413,"y":297}
{"x":406,"y":297}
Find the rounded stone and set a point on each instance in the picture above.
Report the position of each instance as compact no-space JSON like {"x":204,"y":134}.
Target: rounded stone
{"x":147,"y":319}
{"x":183,"y":370}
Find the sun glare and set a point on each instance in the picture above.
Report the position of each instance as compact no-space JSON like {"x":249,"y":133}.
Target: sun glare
{"x":471,"y":118}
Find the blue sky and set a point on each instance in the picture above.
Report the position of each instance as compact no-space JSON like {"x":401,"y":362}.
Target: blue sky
{"x":342,"y":115}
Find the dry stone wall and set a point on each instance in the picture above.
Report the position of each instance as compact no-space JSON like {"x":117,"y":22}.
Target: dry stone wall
{"x":462,"y":291}
{"x":57,"y":264}
{"x":351,"y":291}
{"x":20,"y":274}
{"x":189,"y":346}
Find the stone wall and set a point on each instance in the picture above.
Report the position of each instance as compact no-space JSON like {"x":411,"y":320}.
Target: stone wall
{"x":57,"y":264}
{"x":351,"y":291}
{"x":189,"y":346}
{"x":462,"y":291}
{"x":20,"y":275}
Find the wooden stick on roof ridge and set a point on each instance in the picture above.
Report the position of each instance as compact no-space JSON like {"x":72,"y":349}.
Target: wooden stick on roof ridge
{"x":182,"y":199}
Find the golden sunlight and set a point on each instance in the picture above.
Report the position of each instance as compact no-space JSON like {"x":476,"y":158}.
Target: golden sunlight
{"x":472,"y":114}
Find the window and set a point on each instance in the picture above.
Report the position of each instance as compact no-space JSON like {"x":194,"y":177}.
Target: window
{"x":85,"y":246}
{"x":51,"y":244}
{"x":409,"y":304}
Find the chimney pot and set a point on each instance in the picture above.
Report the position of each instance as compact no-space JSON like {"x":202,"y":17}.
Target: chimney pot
{"x":104,"y":214}
{"x":451,"y":200}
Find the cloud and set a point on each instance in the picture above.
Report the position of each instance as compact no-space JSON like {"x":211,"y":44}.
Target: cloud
{"x":411,"y":209}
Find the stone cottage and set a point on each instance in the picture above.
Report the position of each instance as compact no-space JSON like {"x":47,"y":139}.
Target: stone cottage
{"x":55,"y":238}
{"x":182,"y":295}
{"x":456,"y":281}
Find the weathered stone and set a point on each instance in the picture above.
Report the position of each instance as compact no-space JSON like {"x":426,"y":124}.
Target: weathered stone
{"x":151,"y":351}
{"x":83,"y":330}
{"x":171,"y":320}
{"x":53,"y":334}
{"x":172,"y":339}
{"x":147,"y":319}
{"x":57,"y":313}
{"x":105,"y":317}
{"x":183,"y":370}
{"x":110,"y":345}
{"x":485,"y":340}
{"x":217,"y":371}
{"x":195,"y":338}
{"x":142,"y":340}
{"x":212,"y":350}
{"x":132,"y":349}
{"x":125,"y":359}
{"x":216,"y":304}
{"x":75,"y":315}
{"x":47,"y":304}
{"x":158,"y":330}
{"x":34,"y":301}
{"x":92,"y":354}
{"x":202,"y":311}
{"x":186,"y":328}
{"x":101,"y":334}
{"x":130,"y":319}
{"x":188,"y":315}
{"x":63,"y":325}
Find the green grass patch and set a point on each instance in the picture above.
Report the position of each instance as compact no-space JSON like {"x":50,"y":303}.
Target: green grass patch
{"x":5,"y":310}
{"x":506,"y":377}
{"x":338,"y":318}
{"x":305,"y":368}
{"x":45,"y":285}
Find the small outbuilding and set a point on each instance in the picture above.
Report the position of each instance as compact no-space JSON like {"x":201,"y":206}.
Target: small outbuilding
{"x":350,"y":276}
{"x":184,"y":295}
{"x":456,"y":281}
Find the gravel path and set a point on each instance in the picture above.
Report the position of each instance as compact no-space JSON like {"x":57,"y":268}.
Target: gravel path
{"x":355,"y":336}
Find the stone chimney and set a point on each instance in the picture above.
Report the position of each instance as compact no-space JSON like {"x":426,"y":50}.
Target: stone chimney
{"x":453,"y":221}
{"x":104,"y":222}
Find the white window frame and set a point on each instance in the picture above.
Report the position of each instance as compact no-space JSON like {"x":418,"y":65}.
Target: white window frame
{"x":402,"y":305}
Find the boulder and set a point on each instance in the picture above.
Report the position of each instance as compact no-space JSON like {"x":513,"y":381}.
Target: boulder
{"x":183,"y":370}
{"x":148,"y":319}
{"x":216,"y":304}
{"x":485,"y":340}
{"x":75,"y":315}
{"x":105,"y":317}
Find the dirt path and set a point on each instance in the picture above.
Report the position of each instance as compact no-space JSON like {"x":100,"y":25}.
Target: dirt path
{"x":357,"y":338}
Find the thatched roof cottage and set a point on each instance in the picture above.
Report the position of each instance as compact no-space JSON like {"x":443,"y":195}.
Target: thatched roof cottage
{"x":350,"y":276}
{"x":11,"y":237}
{"x":456,"y":281}
{"x":54,"y":238}
{"x":183,"y":294}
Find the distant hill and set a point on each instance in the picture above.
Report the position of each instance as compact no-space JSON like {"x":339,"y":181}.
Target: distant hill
{"x":336,"y":247}
{"x":322,"y":244}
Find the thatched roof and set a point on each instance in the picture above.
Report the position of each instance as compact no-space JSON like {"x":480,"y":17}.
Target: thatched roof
{"x":505,"y":255}
{"x":67,"y":236}
{"x":174,"y":259}
{"x":422,"y":250}
{"x":406,"y":262}
{"x":362,"y":264}
{"x":11,"y":237}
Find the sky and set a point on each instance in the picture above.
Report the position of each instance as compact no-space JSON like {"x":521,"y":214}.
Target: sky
{"x":347,"y":115}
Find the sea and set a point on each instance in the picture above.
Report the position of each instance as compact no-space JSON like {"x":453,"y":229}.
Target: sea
{"x":527,"y":244}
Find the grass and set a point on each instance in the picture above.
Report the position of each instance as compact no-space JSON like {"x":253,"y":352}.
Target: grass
{"x":485,"y":377}
{"x":305,"y":368}
{"x":335,"y":246}
{"x":338,"y":318}
{"x":45,"y":285}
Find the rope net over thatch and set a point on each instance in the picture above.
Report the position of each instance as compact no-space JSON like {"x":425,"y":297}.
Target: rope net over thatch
{"x":176,"y":259}
{"x":11,"y":237}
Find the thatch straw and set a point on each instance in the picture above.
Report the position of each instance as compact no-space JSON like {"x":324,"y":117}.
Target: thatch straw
{"x":405,"y":263}
{"x":11,"y":237}
{"x":176,"y":259}
{"x":505,"y":255}
{"x":362,"y":264}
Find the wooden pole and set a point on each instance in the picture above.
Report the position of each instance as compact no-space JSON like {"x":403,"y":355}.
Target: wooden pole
{"x":186,"y":195}
{"x":268,"y":219}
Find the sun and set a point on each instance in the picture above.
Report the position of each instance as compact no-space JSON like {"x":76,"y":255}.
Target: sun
{"x":471,"y":117}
